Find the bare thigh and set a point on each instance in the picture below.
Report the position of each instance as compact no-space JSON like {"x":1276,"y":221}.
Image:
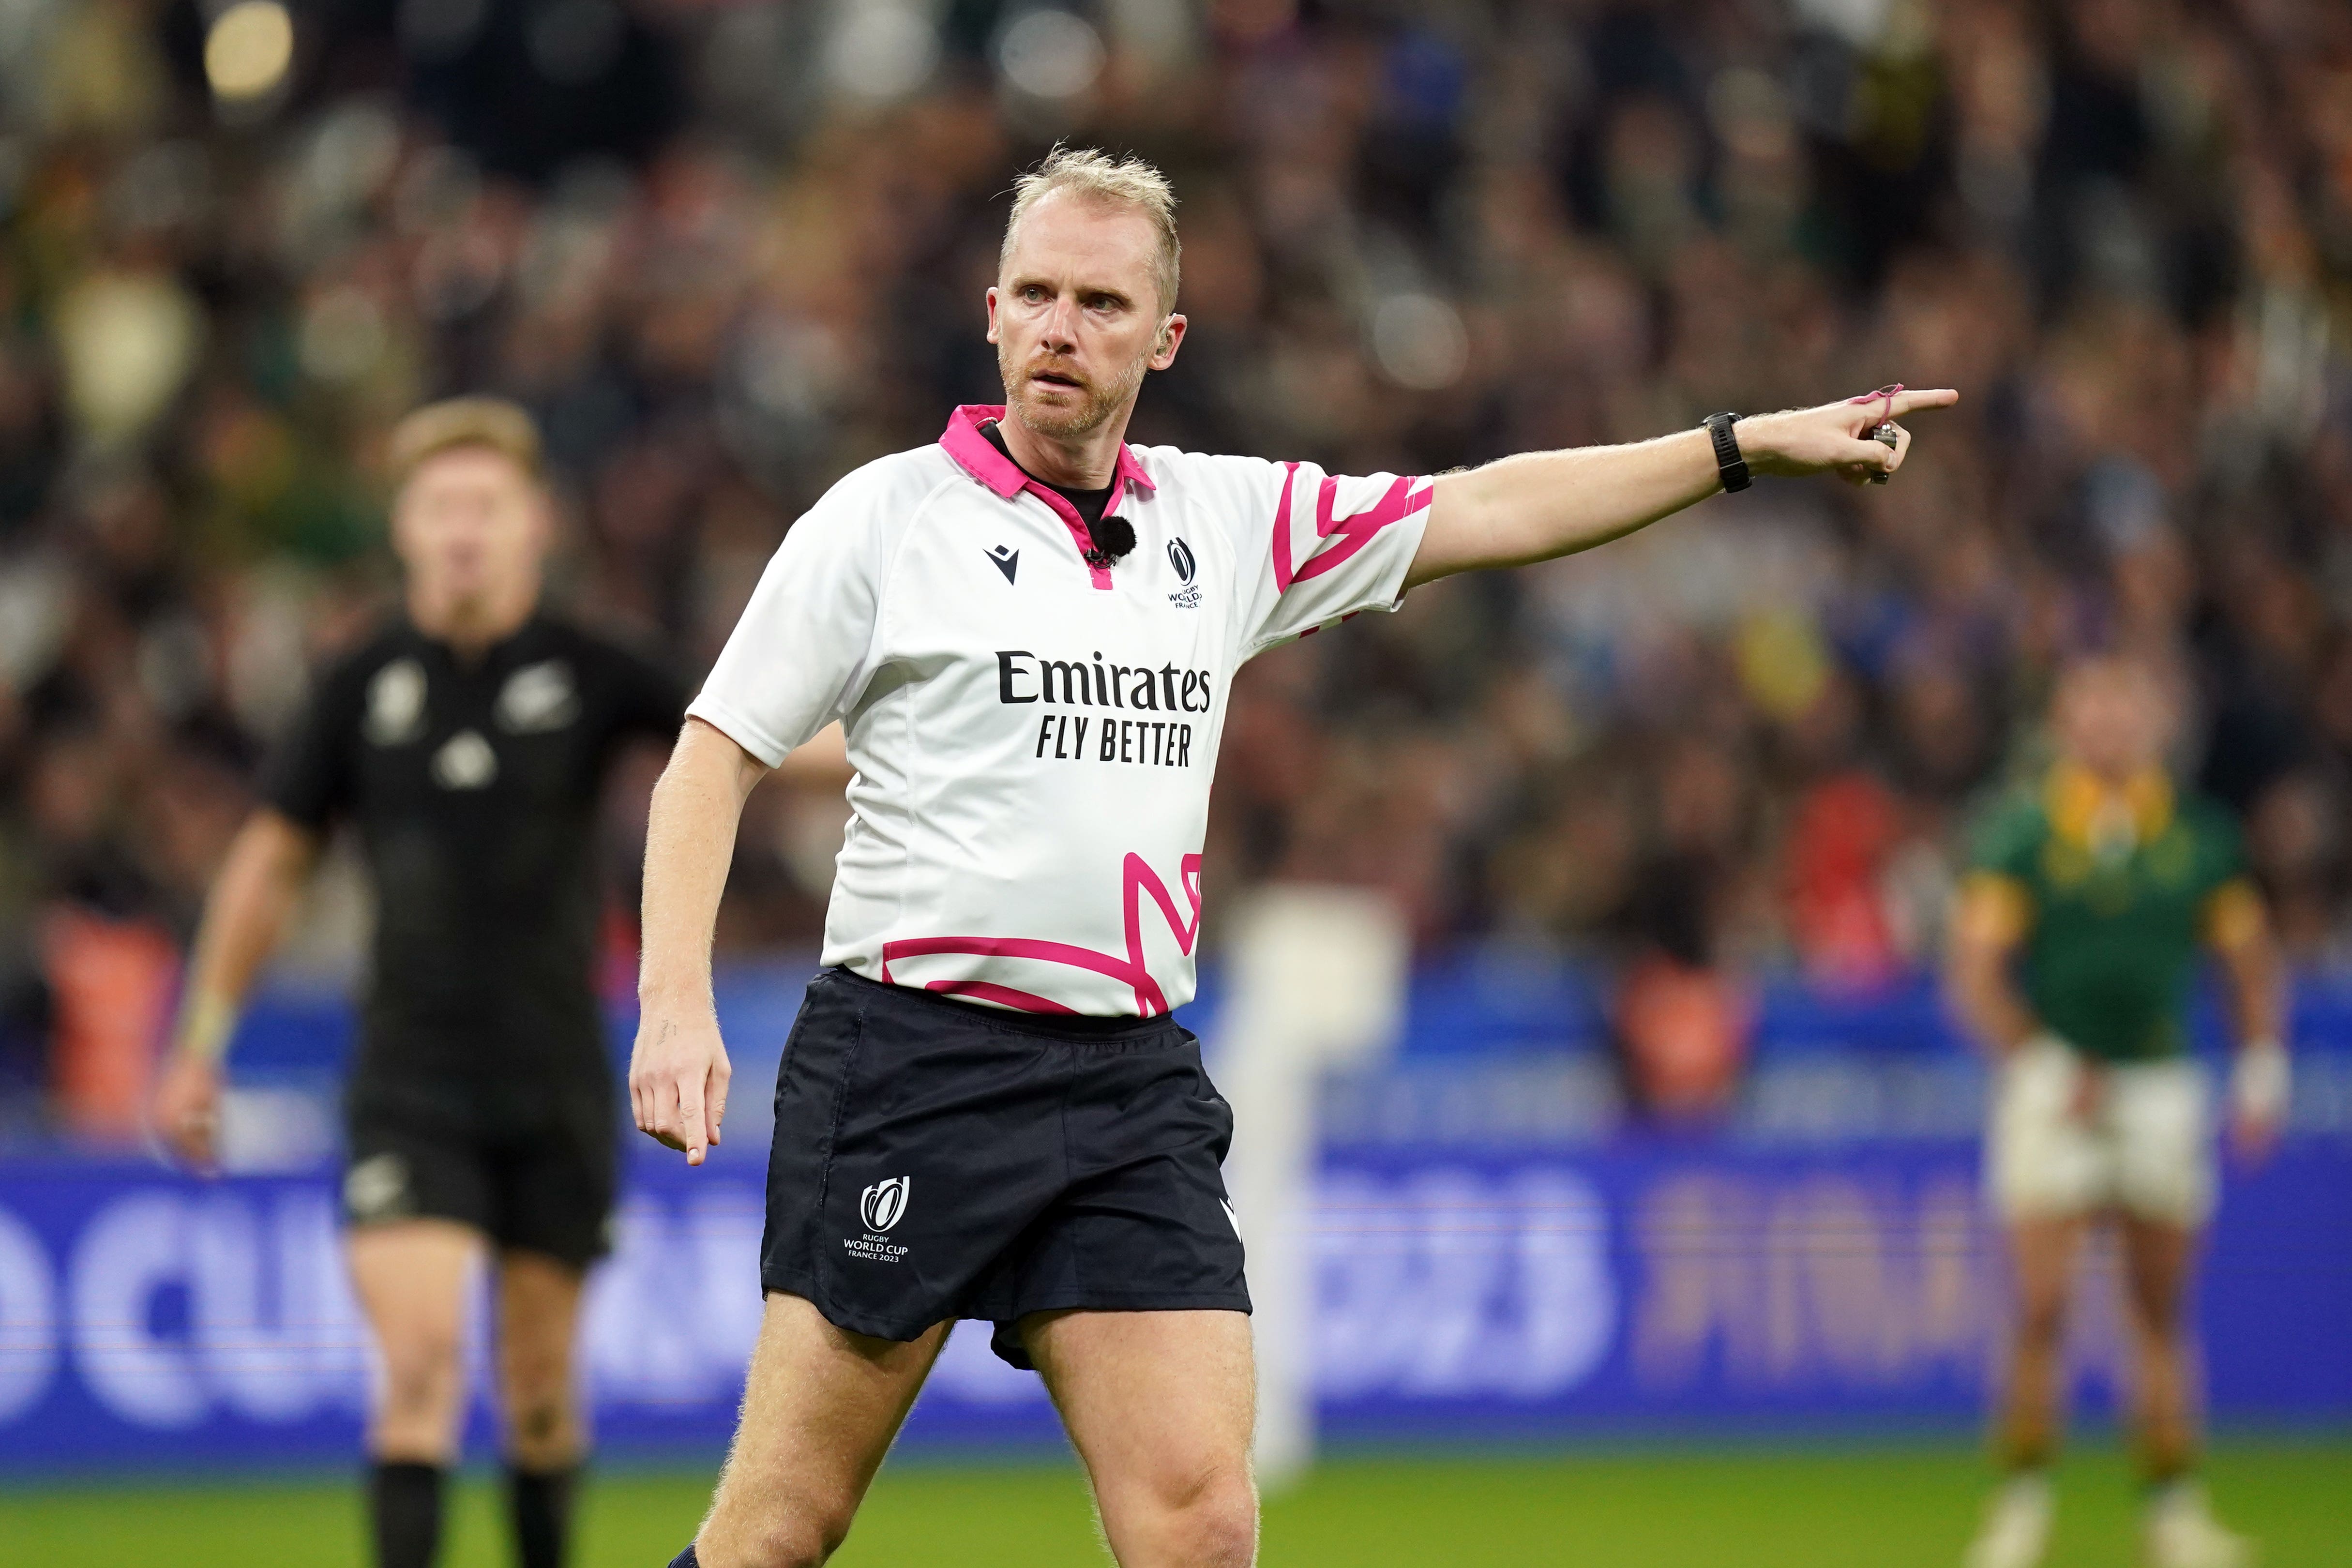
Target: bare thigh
{"x":539,"y":1313}
{"x":412,"y":1277}
{"x":819,"y":1412}
{"x":2042,"y":1251}
{"x":1160,"y":1406}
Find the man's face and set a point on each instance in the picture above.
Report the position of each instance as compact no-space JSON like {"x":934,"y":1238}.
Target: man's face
{"x":2113,"y":718}
{"x":470,"y":524}
{"x":1076,"y":314}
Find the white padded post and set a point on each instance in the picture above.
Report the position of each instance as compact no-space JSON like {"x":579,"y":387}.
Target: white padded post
{"x":1317,"y":979}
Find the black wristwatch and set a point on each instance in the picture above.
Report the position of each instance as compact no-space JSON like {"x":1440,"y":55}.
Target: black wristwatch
{"x":1727,"y":460}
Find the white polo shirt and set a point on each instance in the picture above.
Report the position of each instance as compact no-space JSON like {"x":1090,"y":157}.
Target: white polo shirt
{"x":1033,"y":738}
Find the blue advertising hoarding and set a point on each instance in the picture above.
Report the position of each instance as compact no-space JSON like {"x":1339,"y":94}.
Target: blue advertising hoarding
{"x":147,"y":1317}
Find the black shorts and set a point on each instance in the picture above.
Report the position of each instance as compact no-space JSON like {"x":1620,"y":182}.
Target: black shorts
{"x":547,"y":1188}
{"x":936,"y":1159}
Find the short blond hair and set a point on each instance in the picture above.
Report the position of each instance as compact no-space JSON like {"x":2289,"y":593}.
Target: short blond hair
{"x":493,"y":422}
{"x":1126,"y":182}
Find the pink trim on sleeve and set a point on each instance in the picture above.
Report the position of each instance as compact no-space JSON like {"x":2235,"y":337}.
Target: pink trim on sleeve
{"x":1341,"y":537}
{"x":1282,"y":529}
{"x":1350,"y":534}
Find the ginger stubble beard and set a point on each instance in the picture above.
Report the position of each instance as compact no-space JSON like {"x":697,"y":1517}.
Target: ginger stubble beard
{"x":1098,"y":404}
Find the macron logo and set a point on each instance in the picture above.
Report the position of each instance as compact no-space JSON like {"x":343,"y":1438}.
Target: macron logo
{"x":1007,"y":561}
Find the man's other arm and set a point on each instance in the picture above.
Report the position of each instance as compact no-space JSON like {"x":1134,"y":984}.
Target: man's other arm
{"x":2238,"y":930}
{"x":1990,"y":918}
{"x":678,"y":1070}
{"x":259,"y":879}
{"x":1539,"y":505}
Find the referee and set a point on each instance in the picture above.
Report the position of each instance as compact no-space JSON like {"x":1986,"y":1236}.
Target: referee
{"x":466,"y":743}
{"x":1028,"y":631}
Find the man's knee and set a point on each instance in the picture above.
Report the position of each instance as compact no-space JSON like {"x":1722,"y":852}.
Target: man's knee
{"x":2040,"y":1319}
{"x":540,"y":1428}
{"x":421,"y":1373}
{"x":2156,"y":1303}
{"x":540,"y":1402}
{"x":1215,"y":1523}
{"x":1224,"y":1528}
{"x":2159,"y":1318}
{"x":2154,"y":1300}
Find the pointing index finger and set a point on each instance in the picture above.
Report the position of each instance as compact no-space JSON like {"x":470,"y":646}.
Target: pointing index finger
{"x":1908,"y":401}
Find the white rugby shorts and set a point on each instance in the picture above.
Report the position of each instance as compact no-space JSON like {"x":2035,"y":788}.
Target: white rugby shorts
{"x":2140,"y":1143}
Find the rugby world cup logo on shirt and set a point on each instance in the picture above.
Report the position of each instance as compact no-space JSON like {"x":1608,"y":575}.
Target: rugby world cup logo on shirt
{"x":1181,"y":557}
{"x":880,"y":1206}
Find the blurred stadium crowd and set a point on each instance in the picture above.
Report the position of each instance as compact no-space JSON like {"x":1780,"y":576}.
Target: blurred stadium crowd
{"x":727,"y":251}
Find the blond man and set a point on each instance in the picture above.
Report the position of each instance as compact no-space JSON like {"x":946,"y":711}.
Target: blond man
{"x":1028,"y":629}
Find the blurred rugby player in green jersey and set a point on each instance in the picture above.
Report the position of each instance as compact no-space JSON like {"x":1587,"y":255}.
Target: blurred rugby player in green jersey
{"x":2092,"y":898}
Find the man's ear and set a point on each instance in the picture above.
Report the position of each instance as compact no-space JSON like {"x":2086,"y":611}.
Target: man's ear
{"x":1171,"y":338}
{"x":992,"y":312}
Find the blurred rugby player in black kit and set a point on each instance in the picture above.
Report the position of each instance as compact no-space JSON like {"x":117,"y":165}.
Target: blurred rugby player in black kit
{"x":466,"y":743}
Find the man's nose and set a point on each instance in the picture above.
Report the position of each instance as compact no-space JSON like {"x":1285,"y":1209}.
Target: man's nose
{"x":1060,"y":334}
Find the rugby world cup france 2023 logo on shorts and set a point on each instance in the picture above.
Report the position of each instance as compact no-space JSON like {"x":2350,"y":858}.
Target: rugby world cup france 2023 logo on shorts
{"x":1180,"y":556}
{"x":880,"y":1206}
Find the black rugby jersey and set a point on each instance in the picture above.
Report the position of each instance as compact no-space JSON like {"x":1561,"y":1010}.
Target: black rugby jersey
{"x":473,"y":785}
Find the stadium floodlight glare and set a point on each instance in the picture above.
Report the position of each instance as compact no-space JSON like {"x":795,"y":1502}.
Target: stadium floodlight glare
{"x":1419,"y":342}
{"x":881,"y":50}
{"x":1050,"y":54}
{"x":249,"y":51}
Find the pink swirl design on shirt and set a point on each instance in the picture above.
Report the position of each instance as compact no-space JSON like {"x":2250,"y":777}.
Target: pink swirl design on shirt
{"x":1341,"y":537}
{"x":1136,"y":879}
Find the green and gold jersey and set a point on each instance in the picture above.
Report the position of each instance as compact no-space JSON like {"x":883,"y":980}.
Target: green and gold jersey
{"x":2108,"y":893}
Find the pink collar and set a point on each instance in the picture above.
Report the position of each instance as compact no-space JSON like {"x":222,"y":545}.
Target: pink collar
{"x":983,"y":461}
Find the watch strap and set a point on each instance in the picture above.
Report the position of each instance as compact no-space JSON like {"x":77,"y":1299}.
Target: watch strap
{"x":1729,"y":463}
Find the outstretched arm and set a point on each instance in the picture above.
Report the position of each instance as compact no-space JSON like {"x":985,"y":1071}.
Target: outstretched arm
{"x":1539,"y":505}
{"x":678,"y":1070}
{"x":262,"y":876}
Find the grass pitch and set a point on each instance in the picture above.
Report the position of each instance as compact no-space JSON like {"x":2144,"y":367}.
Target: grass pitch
{"x":1889,"y":1507}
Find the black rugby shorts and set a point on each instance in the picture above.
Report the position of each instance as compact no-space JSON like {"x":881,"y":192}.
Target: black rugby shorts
{"x":547,"y":1189}
{"x":935,"y":1159}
